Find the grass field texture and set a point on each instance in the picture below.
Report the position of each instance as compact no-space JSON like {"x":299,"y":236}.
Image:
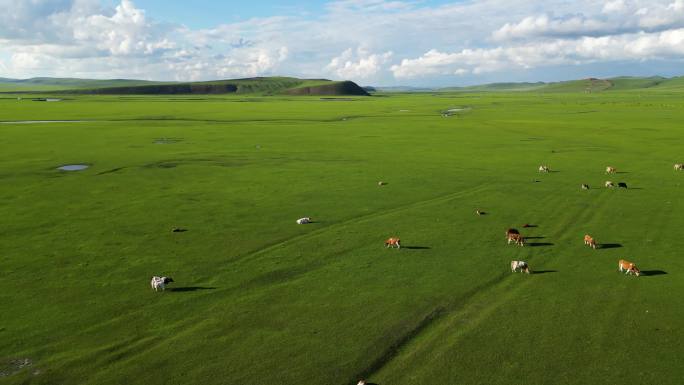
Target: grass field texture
{"x":258,"y":299}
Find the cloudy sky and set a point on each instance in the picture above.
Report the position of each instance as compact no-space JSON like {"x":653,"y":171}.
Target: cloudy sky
{"x":373,"y":42}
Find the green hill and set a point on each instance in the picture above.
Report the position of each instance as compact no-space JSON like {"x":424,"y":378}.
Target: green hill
{"x":258,"y":85}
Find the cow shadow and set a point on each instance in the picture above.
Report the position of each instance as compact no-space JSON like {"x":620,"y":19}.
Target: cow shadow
{"x":538,"y":237}
{"x":190,"y":288}
{"x":415,"y":248}
{"x":544,"y":271}
{"x":539,"y":244}
{"x":651,"y":273}
{"x":608,"y":246}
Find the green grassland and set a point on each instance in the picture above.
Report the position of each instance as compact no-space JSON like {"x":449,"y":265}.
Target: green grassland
{"x":261,"y":300}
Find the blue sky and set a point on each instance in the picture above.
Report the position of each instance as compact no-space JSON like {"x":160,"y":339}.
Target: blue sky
{"x":373,"y":42}
{"x":207,"y":13}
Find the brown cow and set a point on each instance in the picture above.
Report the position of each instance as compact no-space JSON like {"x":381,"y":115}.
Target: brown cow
{"x":392,"y":242}
{"x":628,"y":267}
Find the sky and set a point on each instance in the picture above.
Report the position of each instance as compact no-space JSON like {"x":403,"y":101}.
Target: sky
{"x":424,"y":43}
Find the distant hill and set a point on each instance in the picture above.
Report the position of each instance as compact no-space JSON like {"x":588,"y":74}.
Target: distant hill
{"x":498,"y":87}
{"x":589,"y":85}
{"x":258,"y":85}
{"x":52,"y":84}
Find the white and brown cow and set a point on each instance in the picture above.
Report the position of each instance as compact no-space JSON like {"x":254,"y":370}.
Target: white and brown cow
{"x":611,"y":170}
{"x":589,"y":241}
{"x":544,"y":168}
{"x":679,"y":166}
{"x":513,"y":235}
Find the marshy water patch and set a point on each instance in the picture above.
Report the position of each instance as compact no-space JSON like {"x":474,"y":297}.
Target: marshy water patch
{"x":11,"y":366}
{"x":41,"y":121}
{"x":73,"y":167}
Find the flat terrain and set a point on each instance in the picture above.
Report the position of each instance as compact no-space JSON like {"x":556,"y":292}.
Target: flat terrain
{"x":261,"y":300}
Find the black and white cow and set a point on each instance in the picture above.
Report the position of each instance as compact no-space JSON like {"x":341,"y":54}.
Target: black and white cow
{"x":158,"y":283}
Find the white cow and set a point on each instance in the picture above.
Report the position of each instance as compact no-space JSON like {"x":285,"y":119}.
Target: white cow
{"x":158,"y":283}
{"x":303,"y":221}
{"x":679,"y":166}
{"x":544,"y":168}
{"x":521,"y":265}
{"x":610,"y":184}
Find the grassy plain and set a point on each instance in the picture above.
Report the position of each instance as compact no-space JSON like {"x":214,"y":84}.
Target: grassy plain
{"x":260,"y":300}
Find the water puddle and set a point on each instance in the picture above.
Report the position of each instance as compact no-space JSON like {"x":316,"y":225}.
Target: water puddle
{"x":454,"y":111}
{"x":73,"y":167}
{"x":167,"y":140}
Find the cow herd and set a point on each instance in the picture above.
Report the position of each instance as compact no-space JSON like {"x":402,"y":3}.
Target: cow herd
{"x":512,"y":235}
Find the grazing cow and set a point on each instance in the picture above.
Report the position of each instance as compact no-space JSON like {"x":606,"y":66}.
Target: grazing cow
{"x":478,"y":212}
{"x":544,"y":168}
{"x":622,"y":184}
{"x":381,"y":183}
{"x":628,"y":267}
{"x":585,"y":187}
{"x":591,"y":242}
{"x":610,"y":170}
{"x":520,"y":265}
{"x":158,"y":283}
{"x":393,"y":242}
{"x":679,"y":166}
{"x":303,"y":221}
{"x":610,"y":184}
{"x":513,"y":235}
{"x":361,"y":382}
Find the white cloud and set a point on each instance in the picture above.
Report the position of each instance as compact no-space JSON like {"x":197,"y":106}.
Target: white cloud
{"x":359,"y":65}
{"x":616,"y":17}
{"x":408,"y":39}
{"x":635,"y":47}
{"x":614,"y":6}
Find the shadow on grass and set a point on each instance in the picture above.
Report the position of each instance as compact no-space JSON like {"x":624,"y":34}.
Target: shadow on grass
{"x":544,"y":271}
{"x":535,"y":237}
{"x":190,"y":288}
{"x":651,"y":273}
{"x":539,"y":244}
{"x":609,"y":245}
{"x":416,"y":247}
